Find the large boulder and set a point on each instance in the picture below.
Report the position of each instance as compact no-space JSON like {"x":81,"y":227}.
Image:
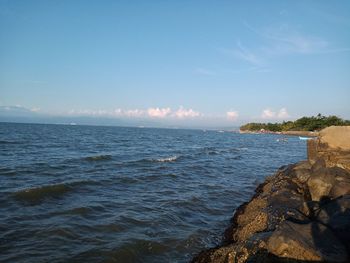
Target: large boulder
{"x":320,"y":183}
{"x":335,"y":214}
{"x":310,"y":242}
{"x":336,"y":137}
{"x":332,"y":145}
{"x":328,"y":181}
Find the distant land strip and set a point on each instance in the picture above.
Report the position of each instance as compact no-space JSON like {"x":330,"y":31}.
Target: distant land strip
{"x":305,"y":126}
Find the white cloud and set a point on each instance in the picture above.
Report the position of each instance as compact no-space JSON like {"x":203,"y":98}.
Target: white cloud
{"x":128,"y":113}
{"x":17,"y":108}
{"x":109,"y":113}
{"x":269,"y":114}
{"x":134,"y":113}
{"x":283,"y":114}
{"x":118,"y":112}
{"x":232,"y":115}
{"x":35,"y":109}
{"x":158,"y":112}
{"x":186,"y":113}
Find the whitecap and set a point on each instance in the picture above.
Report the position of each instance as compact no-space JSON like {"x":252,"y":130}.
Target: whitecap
{"x":168,"y":159}
{"x":242,"y":149}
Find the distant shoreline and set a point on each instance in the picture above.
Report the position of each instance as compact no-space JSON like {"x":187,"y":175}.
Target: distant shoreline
{"x":305,"y":126}
{"x":291,"y":133}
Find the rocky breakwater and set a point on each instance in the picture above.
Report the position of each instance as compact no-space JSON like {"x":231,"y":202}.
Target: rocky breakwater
{"x":299,"y":214}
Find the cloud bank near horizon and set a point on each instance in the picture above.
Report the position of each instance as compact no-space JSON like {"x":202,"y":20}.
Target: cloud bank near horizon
{"x":160,"y":113}
{"x":152,"y":112}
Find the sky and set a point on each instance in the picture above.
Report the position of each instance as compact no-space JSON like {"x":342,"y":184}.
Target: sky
{"x":176,"y":62}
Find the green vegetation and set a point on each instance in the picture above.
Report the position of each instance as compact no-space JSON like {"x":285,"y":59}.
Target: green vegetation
{"x":314,"y":123}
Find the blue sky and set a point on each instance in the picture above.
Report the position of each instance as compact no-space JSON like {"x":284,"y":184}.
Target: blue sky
{"x":215,"y":62}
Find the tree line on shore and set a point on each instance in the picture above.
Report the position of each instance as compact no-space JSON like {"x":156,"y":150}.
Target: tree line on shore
{"x":313,"y":123}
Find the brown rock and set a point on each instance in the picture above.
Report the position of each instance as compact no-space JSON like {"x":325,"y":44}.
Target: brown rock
{"x":320,"y":183}
{"x":312,"y":242}
{"x":341,"y":185}
{"x":216,"y":255}
{"x":302,"y":165}
{"x":312,"y":150}
{"x":302,"y":175}
{"x":333,"y":146}
{"x":336,"y":137}
{"x":257,"y":224}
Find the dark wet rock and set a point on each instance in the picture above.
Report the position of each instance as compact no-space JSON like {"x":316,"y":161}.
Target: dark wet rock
{"x":300,"y":214}
{"x":335,"y":214}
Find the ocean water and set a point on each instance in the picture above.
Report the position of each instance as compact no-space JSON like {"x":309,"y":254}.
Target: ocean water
{"x":113,"y":194}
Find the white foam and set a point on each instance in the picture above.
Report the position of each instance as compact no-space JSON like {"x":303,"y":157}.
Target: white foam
{"x":168,"y":159}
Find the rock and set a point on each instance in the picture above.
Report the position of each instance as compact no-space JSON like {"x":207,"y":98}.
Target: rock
{"x":302,"y":165}
{"x":257,"y":224}
{"x":332,"y":145}
{"x":302,"y":175}
{"x":341,"y":185}
{"x":320,"y":183}
{"x":312,"y":150}
{"x":215,"y":255}
{"x":332,"y":182}
{"x":250,"y":220}
{"x":318,"y":165}
{"x":300,"y":214}
{"x":285,"y":205}
{"x":312,"y":242}
{"x":336,"y":215}
{"x":336,"y":137}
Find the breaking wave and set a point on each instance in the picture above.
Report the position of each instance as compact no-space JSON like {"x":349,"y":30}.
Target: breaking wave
{"x":167,"y":159}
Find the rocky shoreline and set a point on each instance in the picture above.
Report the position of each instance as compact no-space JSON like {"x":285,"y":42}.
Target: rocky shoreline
{"x":300,"y":214}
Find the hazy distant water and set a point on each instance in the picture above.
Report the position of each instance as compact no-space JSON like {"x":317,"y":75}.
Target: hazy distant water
{"x":110,"y":194}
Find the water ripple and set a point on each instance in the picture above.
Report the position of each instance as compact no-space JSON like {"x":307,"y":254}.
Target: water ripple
{"x":112,"y":194}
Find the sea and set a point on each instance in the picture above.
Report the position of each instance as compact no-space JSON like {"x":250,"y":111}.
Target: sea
{"x":71,"y":193}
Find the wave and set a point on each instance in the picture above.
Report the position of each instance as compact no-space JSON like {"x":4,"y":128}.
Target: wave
{"x":133,"y":250}
{"x":9,"y":142}
{"x":7,"y":171}
{"x":38,"y":194}
{"x":242,"y":148}
{"x":156,"y":160}
{"x":101,"y":157}
{"x":167,"y":159}
{"x":81,"y":211}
